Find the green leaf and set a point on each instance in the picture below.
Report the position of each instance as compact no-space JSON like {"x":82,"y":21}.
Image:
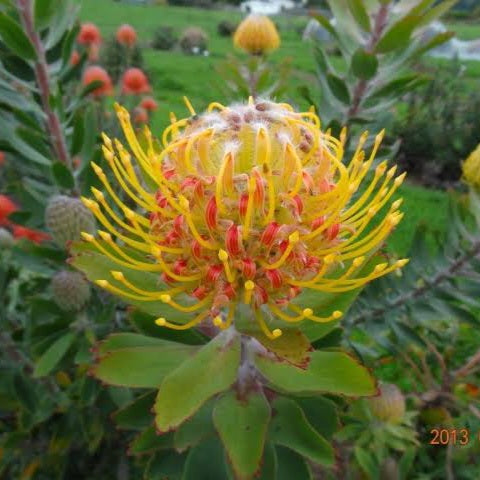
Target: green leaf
{"x":360,"y":14}
{"x":332,"y":339}
{"x":291,"y":465}
{"x":149,"y":441}
{"x":64,"y":17}
{"x":364,"y":64}
{"x":25,"y":392}
{"x":367,"y":462}
{"x":338,"y":87}
{"x":397,"y":86}
{"x":90,"y":88}
{"x":398,"y":35}
{"x":16,"y":100}
{"x":191,"y":432}
{"x":421,"y":7}
{"x":325,"y":23}
{"x":145,"y":323}
{"x":10,"y":132}
{"x":210,"y":371}
{"x":321,"y":59}
{"x":434,"y":42}
{"x":165,"y":466}
{"x":68,"y":44}
{"x":327,"y":372}
{"x":137,"y":415}
{"x":142,"y":367}
{"x":97,"y":266}
{"x":290,"y":428}
{"x":437,"y":11}
{"x":321,"y":413}
{"x":205,"y":462}
{"x":293,"y":346}
{"x":50,"y":359}
{"x":77,"y":135}
{"x":62,"y":175}
{"x":242,"y":426}
{"x":118,"y":341}
{"x":15,"y":39}
{"x":269,"y":465}
{"x":406,"y":462}
{"x":43,"y":12}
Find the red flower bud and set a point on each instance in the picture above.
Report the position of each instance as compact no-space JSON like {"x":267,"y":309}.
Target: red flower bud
{"x":211,"y":213}
{"x":214,"y":272}
{"x":269,"y":233}
{"x":274,"y":277}
{"x":232,"y":240}
{"x":249,"y":268}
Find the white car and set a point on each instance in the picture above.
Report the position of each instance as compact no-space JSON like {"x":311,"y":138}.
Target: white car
{"x":267,"y":7}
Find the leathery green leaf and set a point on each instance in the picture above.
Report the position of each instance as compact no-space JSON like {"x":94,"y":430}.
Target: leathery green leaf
{"x":291,"y":465}
{"x":360,"y":13}
{"x":291,"y":429}
{"x":149,"y":441}
{"x":136,"y":415}
{"x":205,"y":461}
{"x":15,"y":39}
{"x":117,"y":341}
{"x":143,"y":367}
{"x":327,"y":372}
{"x":97,"y":266}
{"x":49,"y":360}
{"x":364,"y":64}
{"x":210,"y":371}
{"x":398,"y":35}
{"x":191,"y":432}
{"x":242,"y":426}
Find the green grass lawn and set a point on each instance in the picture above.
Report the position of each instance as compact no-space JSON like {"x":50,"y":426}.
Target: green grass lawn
{"x":464,"y":30}
{"x":174,"y":74}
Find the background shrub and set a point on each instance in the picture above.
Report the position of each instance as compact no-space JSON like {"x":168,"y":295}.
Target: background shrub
{"x":439,"y":127}
{"x":193,"y":40}
{"x":164,"y":38}
{"x":115,"y":57}
{"x":226,"y":28}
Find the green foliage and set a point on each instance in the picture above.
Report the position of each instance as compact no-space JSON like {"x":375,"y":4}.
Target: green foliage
{"x":436,"y":134}
{"x":377,"y":44}
{"x":116,"y":58}
{"x":194,"y":41}
{"x":427,"y":320}
{"x":242,"y":427}
{"x":164,"y":38}
{"x":196,"y":404}
{"x":226,"y":28}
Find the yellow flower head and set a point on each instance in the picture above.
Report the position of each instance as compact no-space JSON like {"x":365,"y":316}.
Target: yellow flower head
{"x":251,"y":204}
{"x":471,"y":168}
{"x":256,"y":35}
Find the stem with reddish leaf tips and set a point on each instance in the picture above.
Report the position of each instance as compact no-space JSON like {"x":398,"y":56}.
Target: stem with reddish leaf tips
{"x":57,"y":139}
{"x":361,"y":86}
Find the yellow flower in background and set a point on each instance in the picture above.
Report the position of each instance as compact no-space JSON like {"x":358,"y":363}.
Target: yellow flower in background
{"x":471,"y":168}
{"x":256,"y":34}
{"x":251,"y":204}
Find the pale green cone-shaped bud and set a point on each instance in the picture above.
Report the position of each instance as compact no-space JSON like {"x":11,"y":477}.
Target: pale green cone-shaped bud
{"x":6,"y":239}
{"x":71,"y":291}
{"x":66,"y":218}
{"x":389,"y":405}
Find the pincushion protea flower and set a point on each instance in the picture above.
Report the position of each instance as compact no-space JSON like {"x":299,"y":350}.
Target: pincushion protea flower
{"x":471,"y":168}
{"x":126,"y":35}
{"x":256,"y":35}
{"x":251,"y":205}
{"x":89,"y":34}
